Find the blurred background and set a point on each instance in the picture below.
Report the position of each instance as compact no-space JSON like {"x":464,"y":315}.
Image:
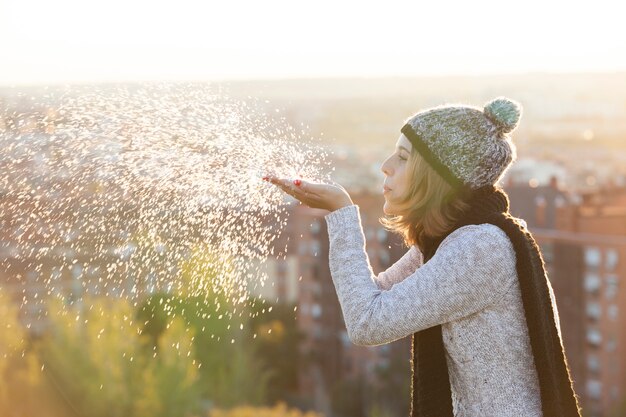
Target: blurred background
{"x":348,"y":74}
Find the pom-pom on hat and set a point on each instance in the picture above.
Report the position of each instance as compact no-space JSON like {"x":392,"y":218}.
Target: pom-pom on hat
{"x":468,"y":146}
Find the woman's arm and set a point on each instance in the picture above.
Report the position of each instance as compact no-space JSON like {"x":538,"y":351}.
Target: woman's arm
{"x":334,"y":197}
{"x":404,"y":267}
{"x":471,"y":268}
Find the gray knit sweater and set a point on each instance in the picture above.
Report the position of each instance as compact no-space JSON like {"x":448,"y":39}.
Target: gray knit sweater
{"x":469,"y":286}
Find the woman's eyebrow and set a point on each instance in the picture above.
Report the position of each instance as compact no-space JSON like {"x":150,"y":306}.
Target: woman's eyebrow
{"x":402,"y":148}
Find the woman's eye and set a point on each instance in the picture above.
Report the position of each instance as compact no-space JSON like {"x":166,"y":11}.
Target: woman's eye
{"x":402,"y":158}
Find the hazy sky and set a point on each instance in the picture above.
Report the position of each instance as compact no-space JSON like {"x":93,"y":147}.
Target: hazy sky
{"x":49,"y":41}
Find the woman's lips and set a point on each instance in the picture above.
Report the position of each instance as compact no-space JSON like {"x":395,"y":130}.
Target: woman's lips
{"x":386,"y":189}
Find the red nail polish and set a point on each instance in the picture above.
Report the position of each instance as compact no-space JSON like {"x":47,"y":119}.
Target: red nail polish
{"x":297,"y":182}
{"x":266,"y":178}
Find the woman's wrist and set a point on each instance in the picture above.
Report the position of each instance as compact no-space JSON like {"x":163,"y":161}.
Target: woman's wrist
{"x":342,"y":204}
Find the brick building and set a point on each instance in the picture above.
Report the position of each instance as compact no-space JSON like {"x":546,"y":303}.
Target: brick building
{"x":583,"y":241}
{"x":303,"y":276}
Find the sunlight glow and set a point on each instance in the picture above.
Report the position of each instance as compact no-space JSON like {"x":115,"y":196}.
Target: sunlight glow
{"x":78,"y":41}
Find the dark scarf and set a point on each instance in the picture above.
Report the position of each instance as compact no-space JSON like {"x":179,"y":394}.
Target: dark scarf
{"x":431,"y":395}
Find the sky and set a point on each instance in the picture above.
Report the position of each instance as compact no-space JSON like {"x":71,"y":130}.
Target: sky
{"x":77,"y":41}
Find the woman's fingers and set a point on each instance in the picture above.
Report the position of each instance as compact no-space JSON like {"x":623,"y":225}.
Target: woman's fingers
{"x":287,"y":186}
{"x":310,"y":188}
{"x":315,"y":195}
{"x":299,"y":187}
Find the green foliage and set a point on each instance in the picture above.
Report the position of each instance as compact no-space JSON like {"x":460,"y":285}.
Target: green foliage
{"x":280,"y":410}
{"x":388,"y":396}
{"x":393,"y":390}
{"x":347,"y":397}
{"x":23,"y":388}
{"x":278,"y":344}
{"x":229,"y":371}
{"x":167,"y":357}
{"x":102,"y":365}
{"x":11,"y":341}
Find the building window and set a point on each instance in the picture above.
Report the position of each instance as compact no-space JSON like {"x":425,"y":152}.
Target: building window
{"x":55,"y":273}
{"x":592,"y":257}
{"x":592,"y":283}
{"x":316,"y":311}
{"x":611,"y":344}
{"x":594,"y":388}
{"x":611,"y":259}
{"x":612,"y":312}
{"x":383,"y":256}
{"x":302,"y":247}
{"x":315,"y":248}
{"x":315,"y":227}
{"x":593,"y":363}
{"x":540,"y":200}
{"x":594,"y":310}
{"x":77,"y":271}
{"x":594,"y":337}
{"x":345,"y":340}
{"x":382,"y":235}
{"x":610,"y":290}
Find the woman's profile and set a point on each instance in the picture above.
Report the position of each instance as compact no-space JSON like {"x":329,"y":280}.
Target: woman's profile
{"x":472,"y":290}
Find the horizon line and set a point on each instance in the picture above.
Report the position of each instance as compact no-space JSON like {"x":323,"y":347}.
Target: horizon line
{"x":305,"y":78}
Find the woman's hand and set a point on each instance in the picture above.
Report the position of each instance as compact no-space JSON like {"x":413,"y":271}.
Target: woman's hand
{"x":315,"y":195}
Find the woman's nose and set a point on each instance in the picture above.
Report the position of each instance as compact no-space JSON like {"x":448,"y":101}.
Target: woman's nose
{"x":385,"y":168}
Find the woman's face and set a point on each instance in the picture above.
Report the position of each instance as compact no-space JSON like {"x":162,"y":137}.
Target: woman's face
{"x":396,"y":181}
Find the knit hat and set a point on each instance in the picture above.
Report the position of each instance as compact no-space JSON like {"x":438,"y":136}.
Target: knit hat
{"x":468,"y":146}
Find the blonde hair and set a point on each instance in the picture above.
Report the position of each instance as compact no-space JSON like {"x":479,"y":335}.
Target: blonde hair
{"x":429,"y":207}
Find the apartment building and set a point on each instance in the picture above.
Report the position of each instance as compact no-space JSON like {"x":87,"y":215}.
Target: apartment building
{"x":583,"y":241}
{"x":301,"y":270}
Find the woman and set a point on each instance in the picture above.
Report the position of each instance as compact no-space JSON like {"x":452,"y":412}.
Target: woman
{"x":472,"y":289}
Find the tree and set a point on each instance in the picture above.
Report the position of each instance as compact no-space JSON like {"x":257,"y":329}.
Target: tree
{"x":393,"y":390}
{"x":347,"y":397}
{"x":23,"y":390}
{"x":279,"y":410}
{"x":231,"y":371}
{"x":278,"y":346}
{"x":99,"y":361}
{"x":11,"y":343}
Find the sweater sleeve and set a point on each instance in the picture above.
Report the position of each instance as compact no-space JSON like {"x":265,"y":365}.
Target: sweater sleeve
{"x":467,"y":273}
{"x":404,"y":267}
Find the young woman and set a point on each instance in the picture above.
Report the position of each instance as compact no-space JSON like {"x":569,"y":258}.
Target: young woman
{"x":472,"y":289}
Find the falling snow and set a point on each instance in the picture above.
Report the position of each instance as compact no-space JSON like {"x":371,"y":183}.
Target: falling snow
{"x":124,"y":192}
